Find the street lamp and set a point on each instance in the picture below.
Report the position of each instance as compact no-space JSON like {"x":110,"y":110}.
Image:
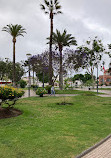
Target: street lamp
{"x":97,"y":78}
{"x":103,"y":73}
{"x":29,"y":81}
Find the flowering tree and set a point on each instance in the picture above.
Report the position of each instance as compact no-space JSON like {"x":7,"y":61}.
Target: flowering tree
{"x":87,"y":56}
{"x":41,"y":62}
{"x":93,"y":50}
{"x":9,"y":95}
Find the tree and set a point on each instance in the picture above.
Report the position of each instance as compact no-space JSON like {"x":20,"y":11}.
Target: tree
{"x":84,"y":78}
{"x":78,"y":77}
{"x":2,"y":69}
{"x":52,"y":8}
{"x":40,"y":67}
{"x":14,"y":31}
{"x":74,"y":59}
{"x":87,"y":77}
{"x":33,"y":62}
{"x":60,"y":41}
{"x":93,"y":52}
{"x":19,"y":71}
{"x":41,"y":62}
{"x":109,"y":53}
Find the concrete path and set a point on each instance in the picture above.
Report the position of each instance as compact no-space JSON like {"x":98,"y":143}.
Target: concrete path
{"x":107,"y":93}
{"x":100,"y":150}
{"x":32,"y":94}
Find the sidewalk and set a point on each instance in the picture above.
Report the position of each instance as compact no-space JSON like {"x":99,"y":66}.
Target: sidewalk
{"x":100,"y":150}
{"x":107,"y":93}
{"x":32,"y":94}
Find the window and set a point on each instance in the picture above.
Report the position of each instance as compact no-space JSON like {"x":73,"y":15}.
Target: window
{"x":108,"y":80}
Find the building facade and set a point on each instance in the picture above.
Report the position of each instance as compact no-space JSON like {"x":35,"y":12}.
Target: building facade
{"x":105,"y":79}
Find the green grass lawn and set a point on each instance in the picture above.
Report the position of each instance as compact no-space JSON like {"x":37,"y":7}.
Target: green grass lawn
{"x":48,"y":130}
{"x":76,"y":92}
{"x":105,"y":89}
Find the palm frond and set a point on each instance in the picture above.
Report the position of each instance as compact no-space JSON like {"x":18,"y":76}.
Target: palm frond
{"x":51,"y":2}
{"x":55,"y":1}
{"x":14,"y":30}
{"x":57,"y":7}
{"x":47,"y":3}
{"x":52,"y":6}
{"x":42,"y":7}
{"x":63,"y":39}
{"x":59,"y":12}
{"x":46,"y":12}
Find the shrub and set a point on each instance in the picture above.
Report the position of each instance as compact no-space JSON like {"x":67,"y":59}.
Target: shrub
{"x":48,"y":88}
{"x":22,"y":83}
{"x":41,"y":91}
{"x":8,"y":94}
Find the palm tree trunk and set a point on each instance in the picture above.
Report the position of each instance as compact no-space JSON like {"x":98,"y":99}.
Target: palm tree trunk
{"x":14,"y":41}
{"x":61,"y":72}
{"x":50,"y":49}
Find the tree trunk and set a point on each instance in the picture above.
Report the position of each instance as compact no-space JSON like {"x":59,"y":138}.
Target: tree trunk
{"x":14,"y":41}
{"x":33,"y":76}
{"x":50,"y":49}
{"x":92,"y":73}
{"x":92,"y":77}
{"x":61,"y":72}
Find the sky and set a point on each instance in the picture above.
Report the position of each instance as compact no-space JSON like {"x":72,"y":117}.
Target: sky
{"x":81,"y":18}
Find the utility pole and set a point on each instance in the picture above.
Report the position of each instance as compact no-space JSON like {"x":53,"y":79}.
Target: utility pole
{"x":29,"y":81}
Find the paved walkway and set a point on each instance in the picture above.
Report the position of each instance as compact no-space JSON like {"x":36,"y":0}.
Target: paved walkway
{"x":107,"y":93}
{"x":32,"y":94}
{"x":100,"y":150}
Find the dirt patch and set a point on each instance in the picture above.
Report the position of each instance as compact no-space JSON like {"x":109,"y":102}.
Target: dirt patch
{"x":9,"y":112}
{"x":64,"y":103}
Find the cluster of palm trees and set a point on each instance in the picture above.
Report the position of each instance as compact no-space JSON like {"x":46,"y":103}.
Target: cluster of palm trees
{"x":52,"y":8}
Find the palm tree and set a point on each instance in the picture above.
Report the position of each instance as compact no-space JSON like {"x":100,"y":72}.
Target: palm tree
{"x":51,"y":7}
{"x":62,"y":40}
{"x":14,"y":31}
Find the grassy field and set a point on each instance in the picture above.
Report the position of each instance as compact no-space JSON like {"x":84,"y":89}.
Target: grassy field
{"x":90,"y":93}
{"x":105,"y":89}
{"x":48,"y":130}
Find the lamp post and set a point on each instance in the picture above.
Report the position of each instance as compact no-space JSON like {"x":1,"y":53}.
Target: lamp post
{"x":43,"y":78}
{"x":103,"y":73}
{"x":97,"y":78}
{"x":29,"y":81}
{"x":6,"y":70}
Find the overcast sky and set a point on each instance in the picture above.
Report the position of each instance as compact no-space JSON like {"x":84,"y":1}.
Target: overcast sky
{"x":81,"y":18}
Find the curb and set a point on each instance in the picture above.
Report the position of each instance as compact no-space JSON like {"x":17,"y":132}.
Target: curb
{"x":93,"y":147}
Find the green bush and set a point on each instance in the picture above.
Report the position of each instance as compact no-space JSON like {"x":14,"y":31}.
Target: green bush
{"x":48,"y":88}
{"x":10,"y":94}
{"x":22,"y":83}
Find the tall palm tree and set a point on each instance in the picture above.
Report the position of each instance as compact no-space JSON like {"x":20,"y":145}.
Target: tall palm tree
{"x":60,"y":41}
{"x":51,"y":7}
{"x":14,"y":31}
